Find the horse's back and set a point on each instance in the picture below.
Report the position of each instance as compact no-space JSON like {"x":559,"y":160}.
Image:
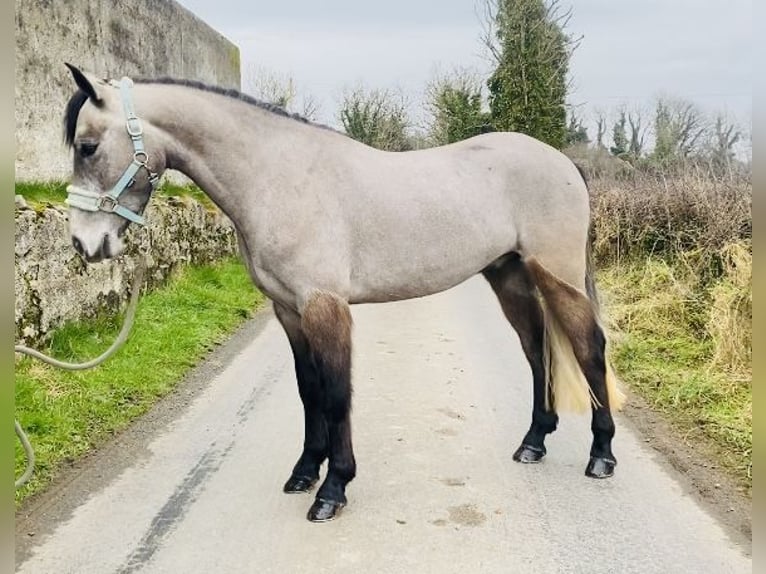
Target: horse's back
{"x":427,"y":220}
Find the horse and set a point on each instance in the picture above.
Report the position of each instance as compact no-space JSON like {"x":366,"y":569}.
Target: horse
{"x":324,"y":222}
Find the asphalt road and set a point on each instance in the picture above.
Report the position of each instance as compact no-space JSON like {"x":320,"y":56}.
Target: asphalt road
{"x":442,"y":398}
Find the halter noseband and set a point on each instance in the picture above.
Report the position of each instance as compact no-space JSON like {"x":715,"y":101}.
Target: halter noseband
{"x":110,"y":201}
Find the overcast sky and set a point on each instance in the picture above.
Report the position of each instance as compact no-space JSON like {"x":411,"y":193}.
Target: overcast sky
{"x":632,"y":51}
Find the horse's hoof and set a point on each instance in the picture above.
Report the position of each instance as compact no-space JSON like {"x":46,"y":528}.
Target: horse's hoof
{"x":528,"y":454}
{"x":600,"y":467}
{"x":298,"y":484}
{"x":324,"y":510}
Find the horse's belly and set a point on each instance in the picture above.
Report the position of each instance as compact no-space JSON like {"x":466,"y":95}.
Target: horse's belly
{"x":416,"y":269}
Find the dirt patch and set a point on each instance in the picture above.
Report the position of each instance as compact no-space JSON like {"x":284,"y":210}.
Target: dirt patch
{"x":466,"y":515}
{"x":696,"y":464}
{"x":453,"y":481}
{"x":452,"y":414}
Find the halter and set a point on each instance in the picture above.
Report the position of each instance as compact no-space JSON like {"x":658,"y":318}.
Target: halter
{"x":109,"y":201}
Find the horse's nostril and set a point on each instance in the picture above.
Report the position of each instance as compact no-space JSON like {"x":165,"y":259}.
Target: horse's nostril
{"x":77,"y":244}
{"x":105,"y":248}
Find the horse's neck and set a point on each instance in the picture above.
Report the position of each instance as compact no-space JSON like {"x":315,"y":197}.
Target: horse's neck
{"x":228,"y":148}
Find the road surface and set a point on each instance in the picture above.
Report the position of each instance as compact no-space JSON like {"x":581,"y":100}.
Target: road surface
{"x":442,"y":398}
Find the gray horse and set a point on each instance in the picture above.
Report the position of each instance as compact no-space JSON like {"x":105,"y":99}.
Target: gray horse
{"x":324,"y":221}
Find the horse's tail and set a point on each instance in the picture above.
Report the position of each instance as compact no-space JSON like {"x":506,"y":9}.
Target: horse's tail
{"x":572,"y":318}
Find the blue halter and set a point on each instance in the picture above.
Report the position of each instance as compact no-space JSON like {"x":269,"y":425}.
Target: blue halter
{"x":109,"y":202}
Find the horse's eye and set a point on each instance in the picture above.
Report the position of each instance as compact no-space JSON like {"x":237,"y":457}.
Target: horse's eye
{"x":88,"y":149}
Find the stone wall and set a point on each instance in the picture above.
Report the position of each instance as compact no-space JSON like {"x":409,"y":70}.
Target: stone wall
{"x":147,"y":38}
{"x":111,"y":39}
{"x":53,"y":284}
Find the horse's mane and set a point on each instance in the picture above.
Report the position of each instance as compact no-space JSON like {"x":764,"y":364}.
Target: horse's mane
{"x":77,"y":101}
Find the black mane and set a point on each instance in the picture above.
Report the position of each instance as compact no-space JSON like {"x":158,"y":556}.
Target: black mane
{"x":77,"y":101}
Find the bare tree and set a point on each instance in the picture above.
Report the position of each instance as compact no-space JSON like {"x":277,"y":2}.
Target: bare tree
{"x":600,"y":129}
{"x":279,"y":89}
{"x":270,"y":86}
{"x":637,"y":134}
{"x":722,"y":139}
{"x":678,"y":129}
{"x":309,"y":107}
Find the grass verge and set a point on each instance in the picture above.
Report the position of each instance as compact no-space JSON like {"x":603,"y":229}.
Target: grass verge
{"x":68,"y":413}
{"x":667,"y":346}
{"x":40,"y":194}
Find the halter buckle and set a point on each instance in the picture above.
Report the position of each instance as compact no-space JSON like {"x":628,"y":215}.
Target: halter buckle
{"x":106,"y":203}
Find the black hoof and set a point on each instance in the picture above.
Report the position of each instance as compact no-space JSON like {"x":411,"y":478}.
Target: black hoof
{"x":298,"y":484}
{"x":324,"y":510}
{"x":528,"y":454}
{"x":600,"y":467}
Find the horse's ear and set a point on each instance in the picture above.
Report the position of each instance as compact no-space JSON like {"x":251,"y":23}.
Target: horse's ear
{"x":85,"y":84}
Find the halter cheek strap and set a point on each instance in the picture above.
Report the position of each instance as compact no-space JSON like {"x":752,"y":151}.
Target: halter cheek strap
{"x":109,"y":202}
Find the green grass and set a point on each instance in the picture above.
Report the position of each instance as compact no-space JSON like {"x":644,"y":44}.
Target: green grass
{"x":663,"y":350}
{"x":40,"y":194}
{"x":171,"y":190}
{"x":68,"y":413}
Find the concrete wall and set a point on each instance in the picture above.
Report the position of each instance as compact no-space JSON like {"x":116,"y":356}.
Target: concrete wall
{"x":53,"y":285}
{"x":110,"y":39}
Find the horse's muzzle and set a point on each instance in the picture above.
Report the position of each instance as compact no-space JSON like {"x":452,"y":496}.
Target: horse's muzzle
{"x":103,"y":251}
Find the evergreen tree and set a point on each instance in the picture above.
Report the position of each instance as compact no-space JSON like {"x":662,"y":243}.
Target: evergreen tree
{"x":619,"y":137}
{"x":527,"y":90}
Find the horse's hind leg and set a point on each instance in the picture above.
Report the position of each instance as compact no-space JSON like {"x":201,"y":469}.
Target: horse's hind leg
{"x":326,"y":322}
{"x":513,"y":286}
{"x":575,"y":313}
{"x":315,"y":443}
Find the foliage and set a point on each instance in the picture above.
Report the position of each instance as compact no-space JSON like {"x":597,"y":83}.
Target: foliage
{"x":455,"y":103}
{"x":620,"y":137}
{"x":377,"y":118}
{"x":666,"y":345}
{"x":577,"y":133}
{"x":528,"y":88}
{"x":661,"y":215}
{"x":678,"y":128}
{"x":67,"y":413}
{"x":683,"y":139}
{"x":720,"y":147}
{"x":679,"y":298}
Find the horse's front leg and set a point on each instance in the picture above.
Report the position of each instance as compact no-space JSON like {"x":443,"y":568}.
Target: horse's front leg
{"x":326,"y":322}
{"x":315,"y":444}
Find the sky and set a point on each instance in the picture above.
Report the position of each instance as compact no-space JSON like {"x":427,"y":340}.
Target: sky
{"x":631,"y":51}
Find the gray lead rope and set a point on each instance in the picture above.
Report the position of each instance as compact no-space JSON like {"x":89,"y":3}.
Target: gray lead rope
{"x":121,"y":338}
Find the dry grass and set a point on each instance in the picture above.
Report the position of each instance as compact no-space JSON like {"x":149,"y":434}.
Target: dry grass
{"x":676,"y":260}
{"x":731,"y":314}
{"x":693,"y":213}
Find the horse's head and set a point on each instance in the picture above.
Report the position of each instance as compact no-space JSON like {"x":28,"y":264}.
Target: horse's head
{"x":117,"y":163}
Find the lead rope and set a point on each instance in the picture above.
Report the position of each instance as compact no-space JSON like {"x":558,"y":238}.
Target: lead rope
{"x":130,"y":315}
